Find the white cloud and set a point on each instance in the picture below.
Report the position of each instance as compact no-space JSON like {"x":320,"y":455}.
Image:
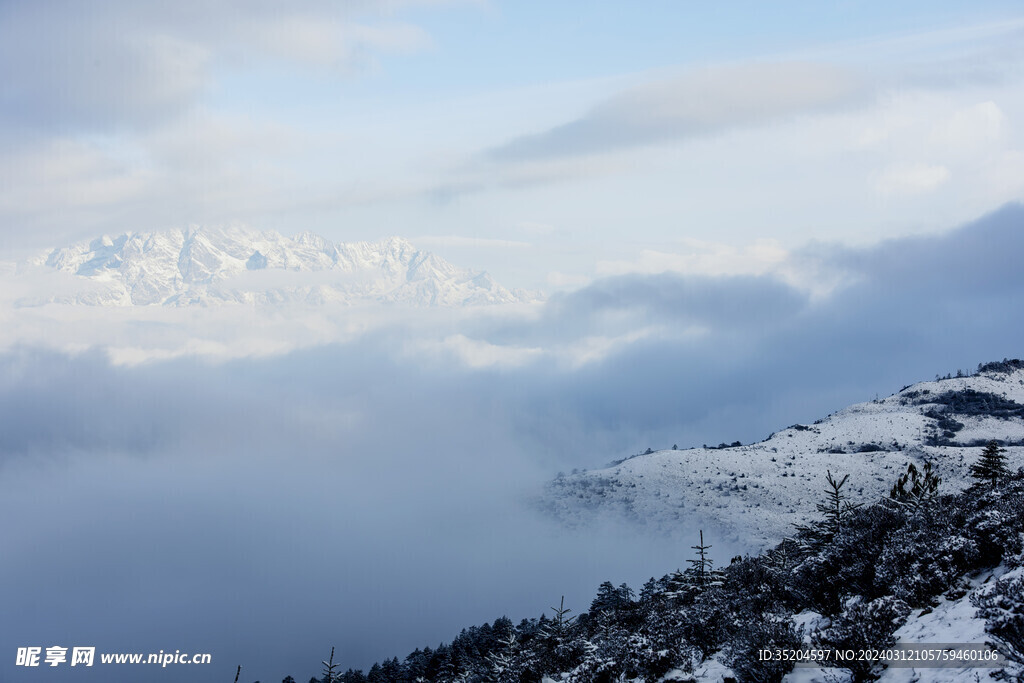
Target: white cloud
{"x":475,"y":353}
{"x":971,"y":128}
{"x":699,"y":257}
{"x":63,"y":175}
{"x":337,"y":44}
{"x":536,"y":228}
{"x":115,"y":65}
{"x":698,"y":102}
{"x":567,"y":280}
{"x":594,"y":349}
{"x":919,"y":178}
{"x":737,"y":151}
{"x":462,"y":241}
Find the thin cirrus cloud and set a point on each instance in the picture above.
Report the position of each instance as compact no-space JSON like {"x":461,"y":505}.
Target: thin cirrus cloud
{"x":699,"y":102}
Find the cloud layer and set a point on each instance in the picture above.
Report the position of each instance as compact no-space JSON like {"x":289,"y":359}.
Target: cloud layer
{"x":370,"y":494}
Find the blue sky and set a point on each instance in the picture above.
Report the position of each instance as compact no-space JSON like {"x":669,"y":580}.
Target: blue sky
{"x":550,"y":143}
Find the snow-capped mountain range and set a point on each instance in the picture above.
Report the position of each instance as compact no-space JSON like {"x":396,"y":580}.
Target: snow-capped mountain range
{"x":756,"y":493}
{"x":229,"y":265}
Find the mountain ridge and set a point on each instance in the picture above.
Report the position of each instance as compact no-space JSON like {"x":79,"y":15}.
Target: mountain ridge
{"x":213,"y":266}
{"x":758,"y":493}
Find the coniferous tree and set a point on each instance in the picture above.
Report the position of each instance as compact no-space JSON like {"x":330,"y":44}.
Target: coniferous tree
{"x":650,"y":591}
{"x":606,"y":600}
{"x":556,"y":630}
{"x":991,"y":466}
{"x":677,"y":585}
{"x":448,"y":664}
{"x":502,"y":657}
{"x":783,"y":557}
{"x":415,"y":666}
{"x":330,"y":669}
{"x":555,"y":637}
{"x":836,"y":508}
{"x":391,"y":670}
{"x":700,"y":566}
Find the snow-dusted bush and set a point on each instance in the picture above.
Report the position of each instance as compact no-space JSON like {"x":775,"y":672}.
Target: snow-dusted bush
{"x":771,"y":632}
{"x":920,"y":563}
{"x":864,"y":625}
{"x":1002,"y":607}
{"x":847,"y":565}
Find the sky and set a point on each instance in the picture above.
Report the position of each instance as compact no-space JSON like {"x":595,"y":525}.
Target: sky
{"x":741,"y":216}
{"x":517,"y":137}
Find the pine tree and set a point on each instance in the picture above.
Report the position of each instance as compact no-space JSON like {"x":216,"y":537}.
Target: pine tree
{"x":556,"y":640}
{"x":330,"y":669}
{"x":700,"y":567}
{"x":991,"y":466}
{"x":607,"y":599}
{"x":683,"y":585}
{"x":650,"y":591}
{"x":557,"y":628}
{"x":502,"y":658}
{"x":391,"y":670}
{"x":375,"y":674}
{"x":835,"y":508}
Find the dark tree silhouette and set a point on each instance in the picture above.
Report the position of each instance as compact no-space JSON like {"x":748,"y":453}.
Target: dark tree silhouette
{"x":991,"y":466}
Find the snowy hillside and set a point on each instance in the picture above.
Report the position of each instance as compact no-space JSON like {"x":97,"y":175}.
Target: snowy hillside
{"x":951,"y":619}
{"x":756,"y":493}
{"x":217,"y":266}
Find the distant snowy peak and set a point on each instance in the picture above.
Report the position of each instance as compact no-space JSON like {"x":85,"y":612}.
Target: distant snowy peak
{"x":223,"y":265}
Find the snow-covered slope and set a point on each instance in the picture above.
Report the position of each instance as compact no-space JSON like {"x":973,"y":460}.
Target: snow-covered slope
{"x":951,"y":620}
{"x":756,"y":493}
{"x":221,"y":265}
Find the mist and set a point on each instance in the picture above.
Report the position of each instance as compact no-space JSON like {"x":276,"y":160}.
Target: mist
{"x":378,"y":494}
{"x":265,"y":511}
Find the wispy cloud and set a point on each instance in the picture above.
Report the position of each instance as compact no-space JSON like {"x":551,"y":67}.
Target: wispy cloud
{"x":701,"y":101}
